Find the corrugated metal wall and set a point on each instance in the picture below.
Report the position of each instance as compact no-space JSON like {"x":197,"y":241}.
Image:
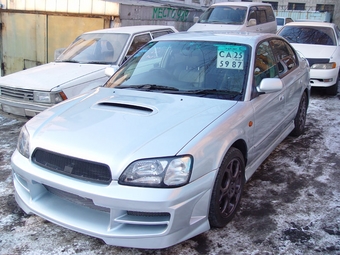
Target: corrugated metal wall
{"x":30,"y":39}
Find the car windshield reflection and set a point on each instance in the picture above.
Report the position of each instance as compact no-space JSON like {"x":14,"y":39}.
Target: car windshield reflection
{"x":95,"y":48}
{"x":204,"y":69}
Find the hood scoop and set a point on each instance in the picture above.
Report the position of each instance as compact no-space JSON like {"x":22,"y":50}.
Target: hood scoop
{"x":125,"y":107}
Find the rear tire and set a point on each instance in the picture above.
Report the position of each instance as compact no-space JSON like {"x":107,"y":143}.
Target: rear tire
{"x":300,"y":118}
{"x":228,"y":189}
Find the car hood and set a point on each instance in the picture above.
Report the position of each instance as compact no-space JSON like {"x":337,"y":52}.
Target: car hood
{"x":48,"y":76}
{"x":117,"y":127}
{"x":314,"y":51}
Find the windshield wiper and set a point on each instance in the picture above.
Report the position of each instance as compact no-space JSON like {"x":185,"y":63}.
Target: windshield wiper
{"x":148,"y":87}
{"x":215,"y":92}
{"x":97,"y":62}
{"x":68,"y":61}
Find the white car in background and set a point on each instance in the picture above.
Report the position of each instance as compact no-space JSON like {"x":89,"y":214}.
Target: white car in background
{"x":242,"y":16}
{"x":80,"y":68}
{"x":319,"y":42}
{"x":281,"y":21}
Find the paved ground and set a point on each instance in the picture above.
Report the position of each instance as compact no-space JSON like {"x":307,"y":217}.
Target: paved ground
{"x":291,"y":205}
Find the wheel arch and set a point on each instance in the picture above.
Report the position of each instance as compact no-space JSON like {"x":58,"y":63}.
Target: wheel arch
{"x":242,"y":146}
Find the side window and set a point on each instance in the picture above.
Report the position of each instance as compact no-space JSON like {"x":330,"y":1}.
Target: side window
{"x":288,"y":20}
{"x":252,"y":13}
{"x":156,"y":34}
{"x":286,"y":58}
{"x":138,"y":42}
{"x":337,"y":32}
{"x":261,"y":16}
{"x":270,"y":14}
{"x":265,"y":63}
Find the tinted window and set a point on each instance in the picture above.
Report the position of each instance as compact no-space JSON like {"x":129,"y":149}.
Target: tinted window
{"x":285,"y":56}
{"x":138,"y":42}
{"x":309,"y":35}
{"x":288,"y":20}
{"x":224,"y":15}
{"x":261,"y":16}
{"x":270,"y":14}
{"x":265,"y":63}
{"x":156,"y":34}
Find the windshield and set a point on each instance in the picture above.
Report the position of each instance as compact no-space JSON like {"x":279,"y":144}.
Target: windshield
{"x":309,"y":35}
{"x":234,"y":15}
{"x":195,"y":68}
{"x":96,"y":48}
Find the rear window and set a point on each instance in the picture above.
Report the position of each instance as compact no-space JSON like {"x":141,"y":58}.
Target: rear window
{"x":309,"y":35}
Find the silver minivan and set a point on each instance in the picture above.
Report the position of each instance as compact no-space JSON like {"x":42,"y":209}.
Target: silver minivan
{"x":244,"y":16}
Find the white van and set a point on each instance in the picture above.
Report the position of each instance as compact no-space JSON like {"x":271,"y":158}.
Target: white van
{"x":244,"y":16}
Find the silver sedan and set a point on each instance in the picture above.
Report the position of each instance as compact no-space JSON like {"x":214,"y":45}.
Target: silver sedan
{"x":162,"y":152}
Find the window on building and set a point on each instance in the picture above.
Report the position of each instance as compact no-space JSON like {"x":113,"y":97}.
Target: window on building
{"x":275,"y":5}
{"x":326,"y":8}
{"x":296,"y":6}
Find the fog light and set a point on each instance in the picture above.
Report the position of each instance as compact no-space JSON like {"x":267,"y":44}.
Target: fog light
{"x":328,"y":80}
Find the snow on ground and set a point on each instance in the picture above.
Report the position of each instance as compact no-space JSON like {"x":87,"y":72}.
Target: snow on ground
{"x":291,"y":205}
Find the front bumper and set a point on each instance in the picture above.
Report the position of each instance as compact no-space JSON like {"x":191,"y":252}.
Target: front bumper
{"x":323,"y":77}
{"x":120,"y":215}
{"x":21,"y":107}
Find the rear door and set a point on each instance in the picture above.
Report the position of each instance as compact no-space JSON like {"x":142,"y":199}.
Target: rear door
{"x":291,"y":76}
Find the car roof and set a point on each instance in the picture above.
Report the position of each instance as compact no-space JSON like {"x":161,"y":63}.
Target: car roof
{"x":219,"y":36}
{"x":132,"y":29}
{"x":246,"y":4}
{"x":311,"y":24}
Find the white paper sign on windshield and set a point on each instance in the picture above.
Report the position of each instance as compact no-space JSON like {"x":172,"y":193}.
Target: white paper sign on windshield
{"x":230,"y":57}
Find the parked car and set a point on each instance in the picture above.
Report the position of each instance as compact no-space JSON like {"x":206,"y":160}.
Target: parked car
{"x":80,"y":68}
{"x":161,"y":153}
{"x":319,"y":43}
{"x":244,"y":16}
{"x":281,"y":21}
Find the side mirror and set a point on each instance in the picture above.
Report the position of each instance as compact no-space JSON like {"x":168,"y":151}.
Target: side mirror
{"x":58,"y":52}
{"x":196,"y":18}
{"x":252,"y":22}
{"x":270,"y":85}
{"x":109,"y":71}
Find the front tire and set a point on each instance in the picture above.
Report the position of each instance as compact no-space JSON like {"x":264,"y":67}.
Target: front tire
{"x":228,"y":189}
{"x":333,"y":90}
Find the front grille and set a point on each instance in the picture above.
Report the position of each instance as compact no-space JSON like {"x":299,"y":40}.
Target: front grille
{"x":82,"y":201}
{"x":75,"y":167}
{"x":313,"y":61}
{"x":148,"y":214}
{"x":16,"y":93}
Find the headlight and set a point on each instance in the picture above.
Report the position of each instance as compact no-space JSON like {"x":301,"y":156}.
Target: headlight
{"x":331,"y":65}
{"x":24,"y":142}
{"x":158,"y":172}
{"x":48,"y":97}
